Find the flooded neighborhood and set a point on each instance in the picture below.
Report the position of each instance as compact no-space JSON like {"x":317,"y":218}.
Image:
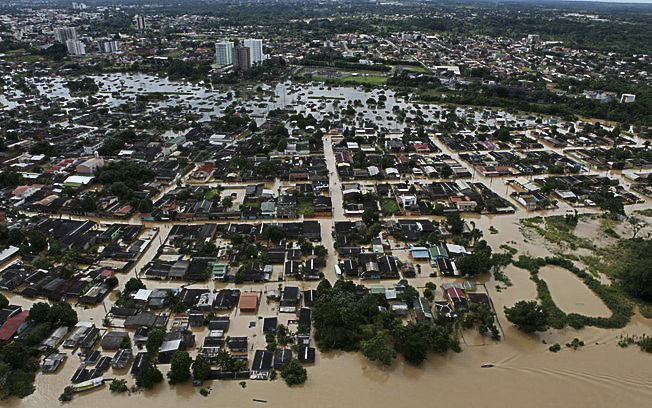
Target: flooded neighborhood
{"x":279,"y":204}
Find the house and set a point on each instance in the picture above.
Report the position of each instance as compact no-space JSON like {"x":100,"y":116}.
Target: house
{"x":167,"y":350}
{"x":248,"y":302}
{"x":419,"y":253}
{"x":305,"y":319}
{"x":78,"y":332}
{"x":306,"y":354}
{"x":14,"y":325}
{"x":269,"y":325}
{"x":309,"y":297}
{"x":282,"y":356}
{"x":289,"y":299}
{"x":90,"y":166}
{"x":121,"y":358}
{"x":145,"y":319}
{"x":54,"y":339}
{"x":113,"y":340}
{"x":261,"y":365}
{"x":422,"y":309}
{"x":226,"y":299}
{"x":237,"y":344}
{"x":458,"y":298}
{"x":139,"y":362}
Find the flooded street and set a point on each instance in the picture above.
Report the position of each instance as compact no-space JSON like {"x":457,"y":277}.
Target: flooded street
{"x":600,"y":374}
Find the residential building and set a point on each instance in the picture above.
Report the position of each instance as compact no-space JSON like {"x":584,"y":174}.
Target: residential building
{"x":241,"y":58}
{"x":224,"y":53}
{"x":108,"y":46}
{"x":75,"y":47}
{"x":64,"y":34}
{"x":255,"y":50}
{"x":140,"y":22}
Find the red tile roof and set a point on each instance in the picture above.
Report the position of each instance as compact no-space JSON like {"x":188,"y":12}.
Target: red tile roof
{"x":12,"y":324}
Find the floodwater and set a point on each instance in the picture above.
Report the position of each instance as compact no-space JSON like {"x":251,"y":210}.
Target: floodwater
{"x":524,"y":374}
{"x":601,"y":374}
{"x":570,"y":293}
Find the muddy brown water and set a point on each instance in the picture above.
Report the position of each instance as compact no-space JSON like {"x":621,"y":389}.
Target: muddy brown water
{"x":600,"y":374}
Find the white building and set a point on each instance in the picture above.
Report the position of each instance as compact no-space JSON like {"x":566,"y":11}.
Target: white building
{"x":108,"y":46}
{"x":627,"y":98}
{"x":76,"y":47}
{"x":255,"y":50}
{"x":224,"y":53}
{"x":64,"y":34}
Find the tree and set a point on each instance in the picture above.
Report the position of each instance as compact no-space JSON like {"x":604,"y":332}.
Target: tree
{"x":377,"y":349}
{"x":37,"y":241}
{"x":306,"y":248}
{"x":528,"y":316}
{"x":180,"y":367}
{"x":134,"y":284}
{"x":275,"y":233}
{"x":119,"y":386}
{"x":227,"y":202}
{"x":637,"y":278}
{"x":412,"y":342}
{"x":4,"y":302}
{"x":88,"y":204}
{"x":154,"y":340}
{"x":148,"y":376}
{"x":201,"y":368}
{"x":145,"y":206}
{"x":370,"y":216}
{"x":294,"y":373}
{"x":67,"y":394}
{"x":63,"y":313}
{"x":321,"y":251}
{"x":455,"y":223}
{"x":39,"y":312}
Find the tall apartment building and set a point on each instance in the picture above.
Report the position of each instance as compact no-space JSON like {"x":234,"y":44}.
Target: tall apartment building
{"x":76,"y":47}
{"x":64,"y":34}
{"x":108,"y":46}
{"x":255,"y":50}
{"x":241,"y":58}
{"x":224,"y":53}
{"x":140,"y":23}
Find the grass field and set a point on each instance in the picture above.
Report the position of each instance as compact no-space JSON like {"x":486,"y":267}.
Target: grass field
{"x":364,"y":80}
{"x":305,"y":207}
{"x":389,"y":206}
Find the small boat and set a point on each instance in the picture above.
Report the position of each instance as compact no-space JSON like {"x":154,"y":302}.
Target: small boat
{"x":89,"y":385}
{"x":486,"y":365}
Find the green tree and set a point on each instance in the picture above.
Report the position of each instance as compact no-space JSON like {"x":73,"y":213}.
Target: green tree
{"x":294,"y":373}
{"x":134,"y":284}
{"x":455,"y":223}
{"x":63,"y":313}
{"x":412,"y":342}
{"x":4,"y":302}
{"x":119,"y":386}
{"x":180,"y":367}
{"x":370,"y":216}
{"x":155,"y":339}
{"x":148,"y":376}
{"x":201,"y":368}
{"x":39,"y":312}
{"x":37,"y":240}
{"x":376,"y":348}
{"x":528,"y":316}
